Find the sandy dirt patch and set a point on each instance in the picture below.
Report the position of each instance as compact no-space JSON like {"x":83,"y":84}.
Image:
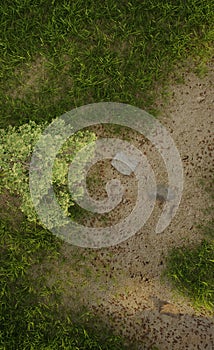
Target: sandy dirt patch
{"x":123,"y":284}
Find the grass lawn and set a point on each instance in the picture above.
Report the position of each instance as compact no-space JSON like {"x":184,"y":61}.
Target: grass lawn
{"x":56,"y":55}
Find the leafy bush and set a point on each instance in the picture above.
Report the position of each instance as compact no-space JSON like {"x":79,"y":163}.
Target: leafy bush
{"x":15,"y":154}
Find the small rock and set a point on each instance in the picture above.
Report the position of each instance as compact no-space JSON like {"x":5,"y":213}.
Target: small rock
{"x":170,"y":310}
{"x":200,"y":99}
{"x":163,"y":193}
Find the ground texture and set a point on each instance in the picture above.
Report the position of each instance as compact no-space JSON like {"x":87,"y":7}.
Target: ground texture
{"x":123,"y":284}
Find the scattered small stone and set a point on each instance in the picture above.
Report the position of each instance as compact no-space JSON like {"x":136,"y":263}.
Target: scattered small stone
{"x":163,"y":193}
{"x":200,"y":99}
{"x":170,"y":310}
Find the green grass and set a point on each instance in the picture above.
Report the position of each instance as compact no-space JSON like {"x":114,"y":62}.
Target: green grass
{"x":191,"y":270}
{"x":31,"y":315}
{"x":56,"y":55}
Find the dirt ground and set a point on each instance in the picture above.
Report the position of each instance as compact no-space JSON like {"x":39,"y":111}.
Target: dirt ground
{"x":123,"y":284}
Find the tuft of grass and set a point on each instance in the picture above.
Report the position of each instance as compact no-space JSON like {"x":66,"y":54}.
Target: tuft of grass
{"x":191,"y":271}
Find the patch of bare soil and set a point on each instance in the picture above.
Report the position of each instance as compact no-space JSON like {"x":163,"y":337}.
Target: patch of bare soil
{"x":29,"y":78}
{"x":123,"y":284}
{"x":9,"y":209}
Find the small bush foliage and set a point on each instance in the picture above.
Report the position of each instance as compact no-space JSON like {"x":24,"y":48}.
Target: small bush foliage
{"x":15,"y":154}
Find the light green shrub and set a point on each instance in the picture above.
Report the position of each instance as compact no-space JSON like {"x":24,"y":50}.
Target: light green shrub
{"x":17,"y":144}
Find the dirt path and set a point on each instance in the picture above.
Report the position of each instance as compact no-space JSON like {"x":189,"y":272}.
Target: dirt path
{"x":122,"y":283}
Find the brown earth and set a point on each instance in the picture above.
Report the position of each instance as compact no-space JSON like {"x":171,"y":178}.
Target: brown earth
{"x":122,"y":284}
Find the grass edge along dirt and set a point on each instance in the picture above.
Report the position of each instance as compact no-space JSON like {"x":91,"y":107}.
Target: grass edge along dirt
{"x":191,"y":268}
{"x":57,"y":55}
{"x":30,"y":312}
